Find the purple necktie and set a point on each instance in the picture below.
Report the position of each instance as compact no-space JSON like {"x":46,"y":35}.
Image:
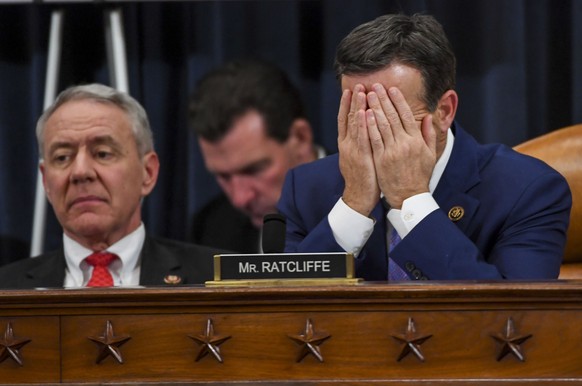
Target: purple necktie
{"x":395,"y":273}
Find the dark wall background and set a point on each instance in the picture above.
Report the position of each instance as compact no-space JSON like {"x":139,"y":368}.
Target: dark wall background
{"x":519,"y":75}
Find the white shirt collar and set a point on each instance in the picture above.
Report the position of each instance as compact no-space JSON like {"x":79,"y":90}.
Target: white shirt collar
{"x":320,"y":152}
{"x":125,"y":271}
{"x":441,"y":164}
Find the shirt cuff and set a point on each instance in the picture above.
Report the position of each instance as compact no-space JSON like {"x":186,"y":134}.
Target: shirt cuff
{"x":350,"y":229}
{"x":414,"y":210}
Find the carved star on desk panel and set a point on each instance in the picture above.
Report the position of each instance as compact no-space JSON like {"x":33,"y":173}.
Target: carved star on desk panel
{"x":209,"y":342}
{"x":411,"y":341}
{"x":109,"y":344}
{"x":10,"y":345}
{"x":510,"y":341}
{"x":310,"y":341}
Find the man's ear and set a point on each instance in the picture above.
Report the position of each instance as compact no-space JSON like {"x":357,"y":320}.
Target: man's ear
{"x":300,"y":141}
{"x":446,"y":110}
{"x":42,"y":172}
{"x":151,"y":168}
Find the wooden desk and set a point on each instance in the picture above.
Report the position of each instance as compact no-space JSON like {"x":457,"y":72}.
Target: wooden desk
{"x":457,"y":333}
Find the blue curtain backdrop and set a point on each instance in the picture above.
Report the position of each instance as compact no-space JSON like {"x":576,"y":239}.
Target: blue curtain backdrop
{"x":519,"y":75}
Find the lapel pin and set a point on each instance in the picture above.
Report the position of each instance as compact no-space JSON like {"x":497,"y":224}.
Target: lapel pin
{"x":172,"y":279}
{"x":456,"y":213}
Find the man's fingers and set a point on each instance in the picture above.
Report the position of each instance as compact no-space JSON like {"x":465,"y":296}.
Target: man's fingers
{"x":402,"y":111}
{"x":356,"y":103}
{"x":357,"y":115}
{"x":429,"y":133}
{"x":391,"y":114}
{"x":381,"y":121}
{"x":363,"y":137}
{"x":350,"y":103}
{"x":373,"y":132}
{"x":342,"y":116}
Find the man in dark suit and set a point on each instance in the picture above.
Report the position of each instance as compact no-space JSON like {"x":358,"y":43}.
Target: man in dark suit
{"x":452,"y":208}
{"x":98,"y":163}
{"x":12,"y":249}
{"x":219,"y":224}
{"x":251,"y":129}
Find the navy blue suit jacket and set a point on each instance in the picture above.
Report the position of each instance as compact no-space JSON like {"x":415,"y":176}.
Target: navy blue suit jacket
{"x":159,"y":258}
{"x":516,"y":213}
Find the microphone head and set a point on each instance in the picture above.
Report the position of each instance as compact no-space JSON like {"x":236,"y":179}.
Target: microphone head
{"x":273,"y":233}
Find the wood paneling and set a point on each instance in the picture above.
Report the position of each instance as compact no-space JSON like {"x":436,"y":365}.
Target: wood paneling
{"x":362,"y":323}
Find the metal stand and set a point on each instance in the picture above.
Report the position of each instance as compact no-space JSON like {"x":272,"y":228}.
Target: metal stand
{"x":117,"y":62}
{"x":116,"y":53}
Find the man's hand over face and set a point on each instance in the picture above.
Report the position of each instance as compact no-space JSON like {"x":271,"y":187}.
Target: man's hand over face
{"x":404,"y":154}
{"x":355,"y":153}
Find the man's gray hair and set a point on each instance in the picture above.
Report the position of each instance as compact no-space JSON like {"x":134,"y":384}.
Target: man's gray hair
{"x":103,"y":94}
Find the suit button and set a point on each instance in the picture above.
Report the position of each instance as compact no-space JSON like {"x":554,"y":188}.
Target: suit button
{"x":417,"y":274}
{"x":409,"y":265}
{"x":423,"y":278}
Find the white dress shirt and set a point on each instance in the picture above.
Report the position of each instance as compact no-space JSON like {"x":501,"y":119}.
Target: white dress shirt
{"x":125,"y":270}
{"x":351,"y":230}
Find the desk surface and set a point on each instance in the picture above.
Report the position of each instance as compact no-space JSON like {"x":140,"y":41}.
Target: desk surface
{"x":421,"y":333}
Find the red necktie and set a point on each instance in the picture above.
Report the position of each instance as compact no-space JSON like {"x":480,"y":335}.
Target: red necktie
{"x":101,"y":277}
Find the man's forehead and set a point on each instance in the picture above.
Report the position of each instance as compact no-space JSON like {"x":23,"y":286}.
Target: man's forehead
{"x":93,"y":138}
{"x":87,"y":112}
{"x":246,"y":143}
{"x":87,"y":118}
{"x":236,"y":161}
{"x":396,"y":75}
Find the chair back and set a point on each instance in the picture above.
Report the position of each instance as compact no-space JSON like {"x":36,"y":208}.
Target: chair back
{"x":562,"y":150}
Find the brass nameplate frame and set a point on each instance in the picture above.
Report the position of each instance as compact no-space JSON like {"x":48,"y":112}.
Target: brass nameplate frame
{"x":283,"y":269}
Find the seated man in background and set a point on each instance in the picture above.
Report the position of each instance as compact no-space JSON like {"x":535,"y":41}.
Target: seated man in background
{"x":98,"y":163}
{"x":251,"y":129}
{"x":411,"y":194}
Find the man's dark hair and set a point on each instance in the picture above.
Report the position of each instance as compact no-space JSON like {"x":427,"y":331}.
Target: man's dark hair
{"x":418,"y":41}
{"x":230,"y":91}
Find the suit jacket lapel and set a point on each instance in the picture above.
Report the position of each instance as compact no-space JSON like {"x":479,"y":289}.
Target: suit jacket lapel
{"x":50,"y":273}
{"x":460,"y":175}
{"x":157,"y":263}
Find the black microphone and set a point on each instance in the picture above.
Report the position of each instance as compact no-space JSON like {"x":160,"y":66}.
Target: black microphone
{"x":273,"y":236}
